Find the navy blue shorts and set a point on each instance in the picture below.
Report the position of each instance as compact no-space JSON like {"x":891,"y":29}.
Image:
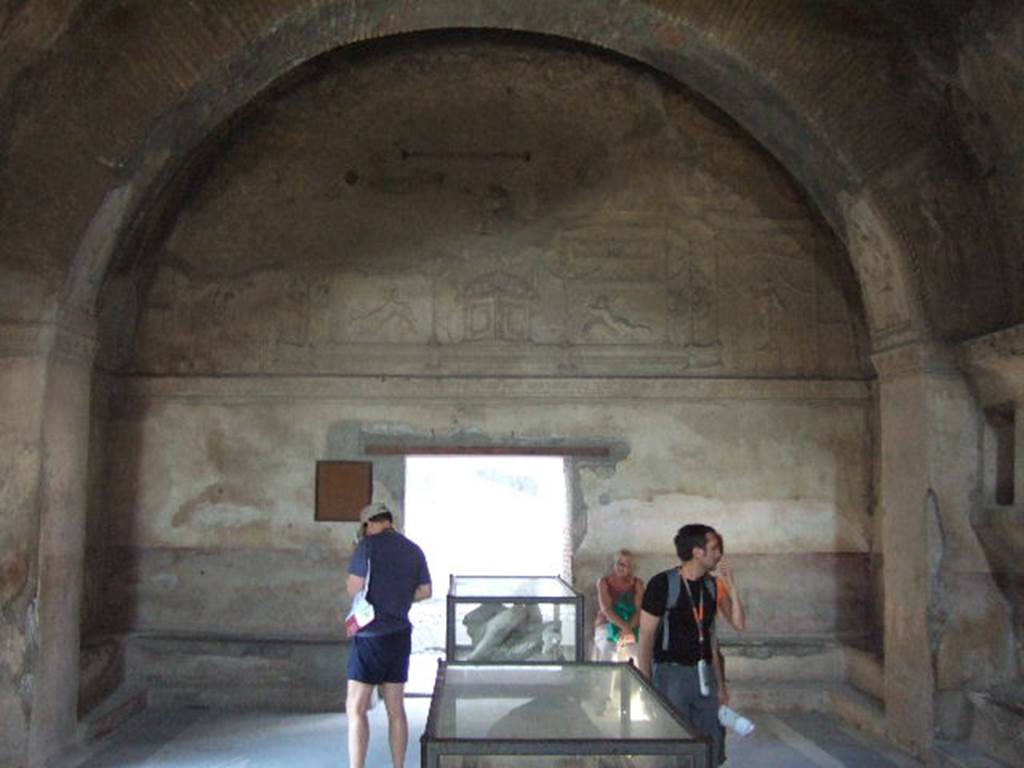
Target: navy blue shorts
{"x":380,"y":659}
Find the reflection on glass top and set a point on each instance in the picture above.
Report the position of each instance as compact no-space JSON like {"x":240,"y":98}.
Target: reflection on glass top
{"x":510,"y":586}
{"x":550,"y":702}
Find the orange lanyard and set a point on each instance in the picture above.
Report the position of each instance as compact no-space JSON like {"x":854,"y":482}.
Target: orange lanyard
{"x":698,"y":610}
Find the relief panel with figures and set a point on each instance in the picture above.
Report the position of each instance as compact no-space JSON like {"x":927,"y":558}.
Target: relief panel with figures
{"x":760,"y":310}
{"x":610,"y":235}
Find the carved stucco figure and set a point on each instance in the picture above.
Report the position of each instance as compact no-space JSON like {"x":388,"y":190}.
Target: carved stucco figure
{"x":391,"y":319}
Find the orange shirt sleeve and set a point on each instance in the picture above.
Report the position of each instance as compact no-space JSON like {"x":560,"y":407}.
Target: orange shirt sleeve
{"x":723,"y":590}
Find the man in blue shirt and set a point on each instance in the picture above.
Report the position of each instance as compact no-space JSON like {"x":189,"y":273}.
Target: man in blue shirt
{"x":398,"y":576}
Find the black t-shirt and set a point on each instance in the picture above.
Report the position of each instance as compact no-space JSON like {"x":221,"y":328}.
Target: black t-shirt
{"x":684,"y":646}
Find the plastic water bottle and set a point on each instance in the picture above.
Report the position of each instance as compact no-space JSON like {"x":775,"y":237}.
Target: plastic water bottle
{"x":730,"y":718}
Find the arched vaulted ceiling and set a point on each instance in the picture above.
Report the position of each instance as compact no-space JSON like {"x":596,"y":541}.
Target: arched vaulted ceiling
{"x":104,"y":103}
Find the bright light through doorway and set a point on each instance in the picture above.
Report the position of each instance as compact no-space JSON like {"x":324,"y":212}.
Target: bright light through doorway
{"x":481,"y":516}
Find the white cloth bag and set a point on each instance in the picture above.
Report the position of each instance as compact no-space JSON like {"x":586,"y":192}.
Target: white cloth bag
{"x":362,"y":612}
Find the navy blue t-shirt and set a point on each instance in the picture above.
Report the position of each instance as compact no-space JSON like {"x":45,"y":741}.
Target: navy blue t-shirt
{"x":397,"y":568}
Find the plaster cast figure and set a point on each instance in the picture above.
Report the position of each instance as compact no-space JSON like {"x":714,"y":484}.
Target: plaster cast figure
{"x":604,"y":322}
{"x":511,"y":633}
{"x":551,"y":641}
{"x":491,"y":628}
{"x":380,"y":651}
{"x":476,"y":621}
{"x":619,"y":597}
{"x":677,"y":624}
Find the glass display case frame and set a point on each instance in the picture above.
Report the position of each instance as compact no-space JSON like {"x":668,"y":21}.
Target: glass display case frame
{"x":689,"y":752}
{"x":569,"y":597}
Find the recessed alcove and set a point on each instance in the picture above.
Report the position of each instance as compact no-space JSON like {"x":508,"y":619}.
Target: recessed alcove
{"x":517,"y":242}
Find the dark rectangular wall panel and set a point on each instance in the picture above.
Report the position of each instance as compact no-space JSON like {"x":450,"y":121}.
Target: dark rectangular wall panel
{"x":343,"y":488}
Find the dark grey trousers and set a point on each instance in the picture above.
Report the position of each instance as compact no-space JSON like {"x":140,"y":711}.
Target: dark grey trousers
{"x":678,"y":683}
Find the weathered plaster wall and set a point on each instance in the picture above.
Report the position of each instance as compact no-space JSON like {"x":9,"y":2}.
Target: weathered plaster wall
{"x":996,"y":366}
{"x":951,"y":629}
{"x":211,"y":490}
{"x":44,"y":434}
{"x":21,"y":394}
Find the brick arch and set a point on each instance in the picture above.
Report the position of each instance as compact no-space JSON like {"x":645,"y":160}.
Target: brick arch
{"x":134,"y":90}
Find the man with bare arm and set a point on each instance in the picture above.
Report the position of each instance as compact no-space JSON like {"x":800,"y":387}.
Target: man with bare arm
{"x":730,"y":607}
{"x":677,"y":647}
{"x":380,"y":651}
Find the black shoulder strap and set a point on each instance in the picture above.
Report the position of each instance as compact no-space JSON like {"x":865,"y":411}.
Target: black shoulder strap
{"x":712,"y":585}
{"x":675,"y":588}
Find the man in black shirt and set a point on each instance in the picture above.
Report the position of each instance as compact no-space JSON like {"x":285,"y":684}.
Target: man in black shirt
{"x":677,"y":645}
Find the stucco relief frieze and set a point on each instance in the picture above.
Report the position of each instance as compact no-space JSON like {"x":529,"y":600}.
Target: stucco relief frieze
{"x":385,"y":310}
{"x":292,"y":327}
{"x":497,"y":306}
{"x":482,"y":240}
{"x":694,"y":292}
{"x":390,"y":318}
{"x":768,"y":312}
{"x":227,"y":325}
{"x":613,"y":270}
{"x":697,"y":302}
{"x":612,"y":245}
{"x":612,"y":315}
{"x":691,"y":307}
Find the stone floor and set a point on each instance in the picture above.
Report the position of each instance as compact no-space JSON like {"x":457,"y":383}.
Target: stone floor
{"x":230,"y":739}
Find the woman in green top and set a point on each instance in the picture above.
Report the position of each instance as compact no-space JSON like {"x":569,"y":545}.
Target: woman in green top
{"x":619,"y":596}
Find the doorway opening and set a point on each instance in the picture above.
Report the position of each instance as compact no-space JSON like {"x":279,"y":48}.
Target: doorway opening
{"x":481,"y":516}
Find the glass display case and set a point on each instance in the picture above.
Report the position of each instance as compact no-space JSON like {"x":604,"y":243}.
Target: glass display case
{"x":513,"y":619}
{"x":570,"y":715}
